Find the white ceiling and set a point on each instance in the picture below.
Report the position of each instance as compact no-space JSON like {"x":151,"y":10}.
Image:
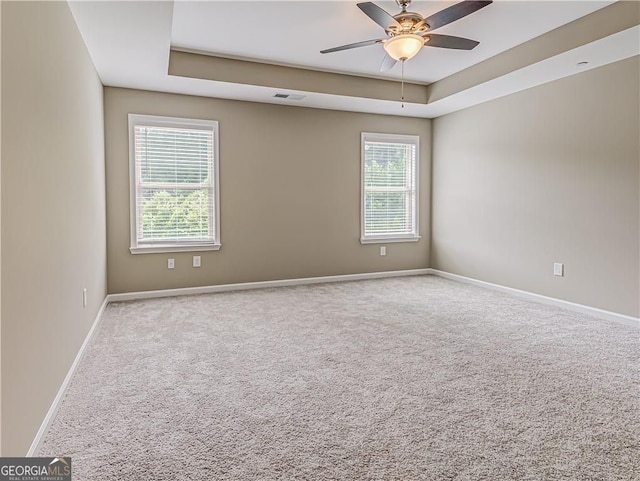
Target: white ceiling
{"x":129,"y":43}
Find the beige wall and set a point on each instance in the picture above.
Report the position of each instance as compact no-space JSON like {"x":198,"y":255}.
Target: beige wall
{"x":550,"y":174}
{"x":53,"y":209}
{"x":290,"y":194}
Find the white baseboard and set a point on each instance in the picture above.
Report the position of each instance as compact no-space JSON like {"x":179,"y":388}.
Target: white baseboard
{"x":129,"y":296}
{"x":55,"y":405}
{"x":572,"y":306}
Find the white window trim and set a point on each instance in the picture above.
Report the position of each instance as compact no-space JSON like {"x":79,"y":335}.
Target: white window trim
{"x":388,"y":238}
{"x":178,"y":122}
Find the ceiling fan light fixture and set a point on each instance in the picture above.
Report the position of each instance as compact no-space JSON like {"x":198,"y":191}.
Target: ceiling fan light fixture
{"x":404,"y":47}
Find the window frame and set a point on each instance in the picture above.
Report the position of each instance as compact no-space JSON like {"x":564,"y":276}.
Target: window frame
{"x":391,"y":237}
{"x":182,"y":123}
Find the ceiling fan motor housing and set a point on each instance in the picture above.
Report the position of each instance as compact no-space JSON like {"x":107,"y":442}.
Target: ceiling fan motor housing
{"x":409,"y":24}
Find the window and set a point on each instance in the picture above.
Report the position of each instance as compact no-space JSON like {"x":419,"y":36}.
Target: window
{"x":174,"y":184}
{"x":389,"y":188}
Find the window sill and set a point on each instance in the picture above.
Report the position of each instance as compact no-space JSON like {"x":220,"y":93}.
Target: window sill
{"x":388,"y":240}
{"x":168,"y":248}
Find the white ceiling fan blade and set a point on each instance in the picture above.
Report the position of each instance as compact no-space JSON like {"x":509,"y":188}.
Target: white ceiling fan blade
{"x":388,"y":63}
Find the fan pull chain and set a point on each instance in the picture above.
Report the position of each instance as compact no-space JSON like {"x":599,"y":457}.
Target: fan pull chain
{"x":402,"y":84}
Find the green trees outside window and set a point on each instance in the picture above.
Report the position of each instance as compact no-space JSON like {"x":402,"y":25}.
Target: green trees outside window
{"x":389,"y":186}
{"x":173,"y":183}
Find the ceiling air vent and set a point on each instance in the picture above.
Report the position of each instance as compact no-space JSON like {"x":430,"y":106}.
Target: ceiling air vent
{"x":289,"y":96}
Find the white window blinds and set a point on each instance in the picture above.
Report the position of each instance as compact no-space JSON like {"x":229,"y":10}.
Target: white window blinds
{"x":174,"y":179}
{"x":389,"y":176}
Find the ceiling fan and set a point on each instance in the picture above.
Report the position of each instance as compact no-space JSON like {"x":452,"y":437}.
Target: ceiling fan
{"x":408,"y":32}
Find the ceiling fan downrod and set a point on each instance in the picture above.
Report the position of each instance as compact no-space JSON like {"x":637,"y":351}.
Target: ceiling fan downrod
{"x":403,"y":4}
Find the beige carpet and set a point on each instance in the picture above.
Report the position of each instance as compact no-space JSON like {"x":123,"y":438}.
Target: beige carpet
{"x":415,"y":378}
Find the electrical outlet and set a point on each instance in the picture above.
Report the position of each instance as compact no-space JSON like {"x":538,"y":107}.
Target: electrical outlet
{"x":84,"y":297}
{"x":196,"y":261}
{"x":171,"y":263}
{"x":558,"y":269}
{"x":383,"y":250}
